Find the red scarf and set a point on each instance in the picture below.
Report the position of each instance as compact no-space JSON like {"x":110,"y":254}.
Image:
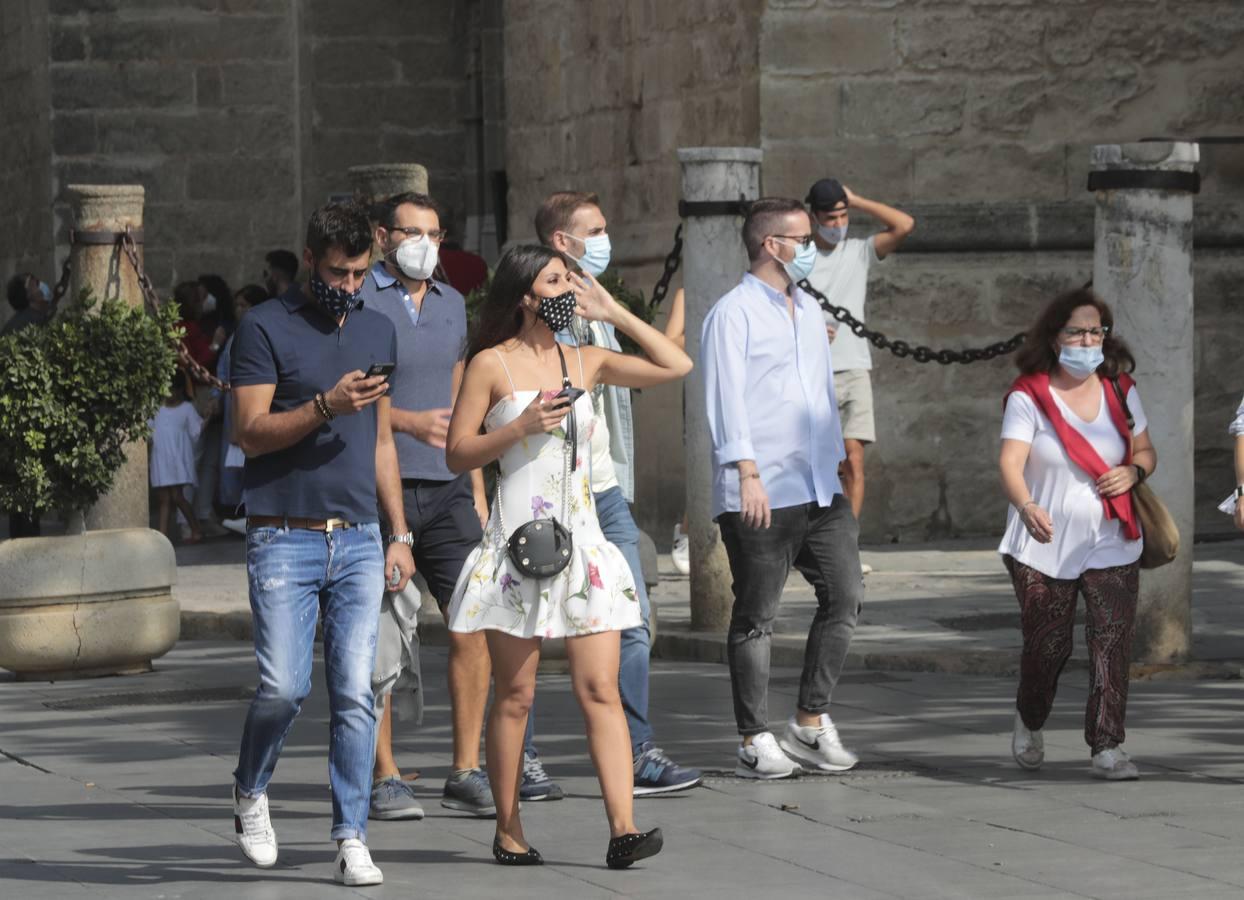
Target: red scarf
{"x":1081,"y":452}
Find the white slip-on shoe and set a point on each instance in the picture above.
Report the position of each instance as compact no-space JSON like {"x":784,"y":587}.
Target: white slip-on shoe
{"x":817,"y":746}
{"x":680,"y":555}
{"x":1113,"y":764}
{"x":763,"y":760}
{"x":354,"y":866}
{"x":1027,"y":747}
{"x":254,"y":829}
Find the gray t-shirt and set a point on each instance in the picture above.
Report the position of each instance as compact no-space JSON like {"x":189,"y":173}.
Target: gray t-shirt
{"x":841,"y":275}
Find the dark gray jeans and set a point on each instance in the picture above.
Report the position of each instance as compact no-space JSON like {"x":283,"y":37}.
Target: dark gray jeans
{"x":823,"y":544}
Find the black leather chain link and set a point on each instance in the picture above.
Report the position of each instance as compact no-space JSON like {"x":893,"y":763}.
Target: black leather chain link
{"x":903,"y":350}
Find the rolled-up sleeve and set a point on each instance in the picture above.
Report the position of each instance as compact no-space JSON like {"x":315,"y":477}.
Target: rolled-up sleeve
{"x":723,"y":352}
{"x":1236,"y":428}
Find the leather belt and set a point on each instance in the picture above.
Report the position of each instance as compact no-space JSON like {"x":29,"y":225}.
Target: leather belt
{"x":296,"y":522}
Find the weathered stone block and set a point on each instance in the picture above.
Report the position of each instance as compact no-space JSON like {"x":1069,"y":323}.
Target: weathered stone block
{"x":879,"y":169}
{"x":798,"y":106}
{"x":240,"y":38}
{"x":988,"y":172}
{"x":901,"y":108}
{"x":239,"y":179}
{"x":127,"y":41}
{"x":96,"y":86}
{"x":982,"y":42}
{"x":73,"y":134}
{"x":340,"y":62}
{"x":67,"y":43}
{"x":799,"y":42}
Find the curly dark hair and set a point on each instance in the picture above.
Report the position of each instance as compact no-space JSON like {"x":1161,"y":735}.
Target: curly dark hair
{"x":343,"y":225}
{"x":1038,"y":353}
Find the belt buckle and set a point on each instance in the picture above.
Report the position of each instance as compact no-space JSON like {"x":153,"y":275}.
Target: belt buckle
{"x":332,"y":524}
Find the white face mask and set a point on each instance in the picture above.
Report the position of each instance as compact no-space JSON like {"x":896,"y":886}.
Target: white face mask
{"x":416,"y":257}
{"x":209,"y":304}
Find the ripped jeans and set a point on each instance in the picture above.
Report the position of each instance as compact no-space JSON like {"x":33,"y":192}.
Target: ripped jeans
{"x":823,"y":544}
{"x":296,"y":576}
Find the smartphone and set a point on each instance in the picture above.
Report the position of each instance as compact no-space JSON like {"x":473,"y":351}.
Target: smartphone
{"x":568,"y":393}
{"x":385,"y":369}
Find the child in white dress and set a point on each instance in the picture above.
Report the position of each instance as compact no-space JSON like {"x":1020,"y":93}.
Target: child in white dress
{"x":175,"y":431}
{"x":508,"y":411}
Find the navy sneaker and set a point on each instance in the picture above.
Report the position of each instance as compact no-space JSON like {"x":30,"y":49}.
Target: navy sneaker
{"x":469,"y":791}
{"x":656,"y":773}
{"x":536,"y":783}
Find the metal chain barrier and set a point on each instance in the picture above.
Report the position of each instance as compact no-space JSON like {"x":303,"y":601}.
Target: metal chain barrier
{"x":152,"y":298}
{"x":904,"y":350}
{"x":672,"y":261}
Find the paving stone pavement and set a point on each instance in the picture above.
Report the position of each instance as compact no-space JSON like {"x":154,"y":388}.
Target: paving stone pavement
{"x":119,"y":788}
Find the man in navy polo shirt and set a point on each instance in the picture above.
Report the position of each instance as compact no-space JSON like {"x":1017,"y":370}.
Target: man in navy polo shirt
{"x":444,"y":511}
{"x":319,"y":453}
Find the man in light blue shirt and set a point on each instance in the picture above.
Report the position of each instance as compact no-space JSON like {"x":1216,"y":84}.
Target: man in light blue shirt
{"x":777,"y":444}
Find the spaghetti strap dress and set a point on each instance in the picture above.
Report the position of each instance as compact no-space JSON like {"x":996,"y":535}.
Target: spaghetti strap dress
{"x":595,"y":592}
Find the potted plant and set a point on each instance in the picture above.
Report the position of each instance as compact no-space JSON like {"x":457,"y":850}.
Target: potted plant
{"x":73,"y":394}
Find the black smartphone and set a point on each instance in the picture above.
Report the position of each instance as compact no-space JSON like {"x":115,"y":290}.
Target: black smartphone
{"x":385,"y":369}
{"x":568,"y":393}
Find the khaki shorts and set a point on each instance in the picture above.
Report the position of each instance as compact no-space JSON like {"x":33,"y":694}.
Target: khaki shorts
{"x":854,"y":390}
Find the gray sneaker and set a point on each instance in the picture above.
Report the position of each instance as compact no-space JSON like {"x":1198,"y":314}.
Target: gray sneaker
{"x":392,"y":798}
{"x":469,"y":791}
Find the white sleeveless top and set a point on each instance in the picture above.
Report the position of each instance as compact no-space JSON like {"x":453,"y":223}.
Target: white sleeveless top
{"x":596,"y":592}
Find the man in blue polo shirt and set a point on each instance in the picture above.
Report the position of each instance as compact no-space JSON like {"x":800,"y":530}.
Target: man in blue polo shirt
{"x":444,"y":511}
{"x":315,"y":430}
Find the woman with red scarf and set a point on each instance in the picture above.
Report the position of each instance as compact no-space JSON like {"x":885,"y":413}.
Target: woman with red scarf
{"x":1069,"y":462}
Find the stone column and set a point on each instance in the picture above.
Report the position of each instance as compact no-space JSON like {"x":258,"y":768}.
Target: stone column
{"x":372,"y":183}
{"x":1142,"y":267}
{"x":713,"y":262}
{"x":106,"y":271}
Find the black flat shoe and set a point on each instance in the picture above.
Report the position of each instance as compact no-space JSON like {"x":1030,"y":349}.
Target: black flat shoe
{"x":531,"y":858}
{"x":631,"y":848}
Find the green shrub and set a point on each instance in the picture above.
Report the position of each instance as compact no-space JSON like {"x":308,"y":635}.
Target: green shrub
{"x":72,"y":394}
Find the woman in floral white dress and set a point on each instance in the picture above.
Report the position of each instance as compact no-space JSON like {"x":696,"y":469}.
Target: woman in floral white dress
{"x":506,"y":411}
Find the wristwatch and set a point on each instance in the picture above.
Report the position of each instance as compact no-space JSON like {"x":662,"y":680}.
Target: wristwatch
{"x":408,"y":538}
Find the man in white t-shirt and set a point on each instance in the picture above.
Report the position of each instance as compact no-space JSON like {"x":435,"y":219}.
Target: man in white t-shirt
{"x":841,"y":274}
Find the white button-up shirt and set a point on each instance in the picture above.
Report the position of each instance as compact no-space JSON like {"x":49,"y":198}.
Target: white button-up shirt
{"x":770,"y":388}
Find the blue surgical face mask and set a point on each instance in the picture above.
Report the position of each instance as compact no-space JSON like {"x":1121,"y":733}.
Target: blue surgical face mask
{"x":45,"y":291}
{"x":832,"y":234}
{"x":597,"y":251}
{"x":1080,"y":361}
{"x":800,"y":267}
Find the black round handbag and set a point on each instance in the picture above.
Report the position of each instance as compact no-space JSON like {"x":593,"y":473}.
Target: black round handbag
{"x":542,"y":548}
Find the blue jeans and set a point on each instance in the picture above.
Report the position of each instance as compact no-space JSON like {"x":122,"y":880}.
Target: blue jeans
{"x":293,"y":574}
{"x":620,"y":529}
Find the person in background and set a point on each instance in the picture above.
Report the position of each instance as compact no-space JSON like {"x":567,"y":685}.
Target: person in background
{"x":216,"y":320}
{"x":280,"y":271}
{"x":174,"y":434}
{"x":232,"y":459}
{"x":840,"y":272}
{"x":31,"y":300}
{"x":1071,"y":454}
{"x":465,"y":271}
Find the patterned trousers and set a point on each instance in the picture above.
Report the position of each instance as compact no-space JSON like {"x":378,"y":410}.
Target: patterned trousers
{"x":1047,"y":613}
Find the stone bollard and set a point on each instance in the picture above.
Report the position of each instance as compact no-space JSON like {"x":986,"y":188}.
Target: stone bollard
{"x":713,"y":262}
{"x":372,"y":183}
{"x":98,"y":263}
{"x":1142,"y":267}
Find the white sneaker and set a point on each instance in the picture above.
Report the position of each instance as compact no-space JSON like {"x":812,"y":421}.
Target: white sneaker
{"x":762,"y":759}
{"x":354,"y":866}
{"x":1028,"y":747}
{"x":254,"y":829}
{"x":1112,"y":764}
{"x":237,"y":526}
{"x":865,"y":569}
{"x":818,"y":745}
{"x":681,"y":554}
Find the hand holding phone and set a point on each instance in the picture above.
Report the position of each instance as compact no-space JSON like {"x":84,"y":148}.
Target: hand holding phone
{"x":570,"y":394}
{"x":385,"y":369}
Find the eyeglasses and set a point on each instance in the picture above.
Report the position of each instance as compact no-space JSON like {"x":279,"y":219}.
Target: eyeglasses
{"x":802,"y":240}
{"x":1096,"y":334}
{"x":434,"y":236}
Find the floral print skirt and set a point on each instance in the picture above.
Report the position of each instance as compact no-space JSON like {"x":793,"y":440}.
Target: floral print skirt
{"x":596,"y":592}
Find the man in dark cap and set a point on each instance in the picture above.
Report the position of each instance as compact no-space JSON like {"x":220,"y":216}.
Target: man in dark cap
{"x":840,"y":272}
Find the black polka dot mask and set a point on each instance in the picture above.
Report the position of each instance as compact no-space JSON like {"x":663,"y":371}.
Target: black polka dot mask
{"x":557,"y":312}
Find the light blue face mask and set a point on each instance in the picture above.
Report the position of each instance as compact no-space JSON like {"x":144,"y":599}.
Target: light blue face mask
{"x":597,"y":251}
{"x":1080,"y":361}
{"x":832,"y":234}
{"x":45,"y":291}
{"x":800,"y":267}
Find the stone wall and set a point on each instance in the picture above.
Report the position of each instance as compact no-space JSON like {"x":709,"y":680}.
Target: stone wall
{"x":599,"y":96}
{"x":25,"y":174}
{"x":984,"y":113}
